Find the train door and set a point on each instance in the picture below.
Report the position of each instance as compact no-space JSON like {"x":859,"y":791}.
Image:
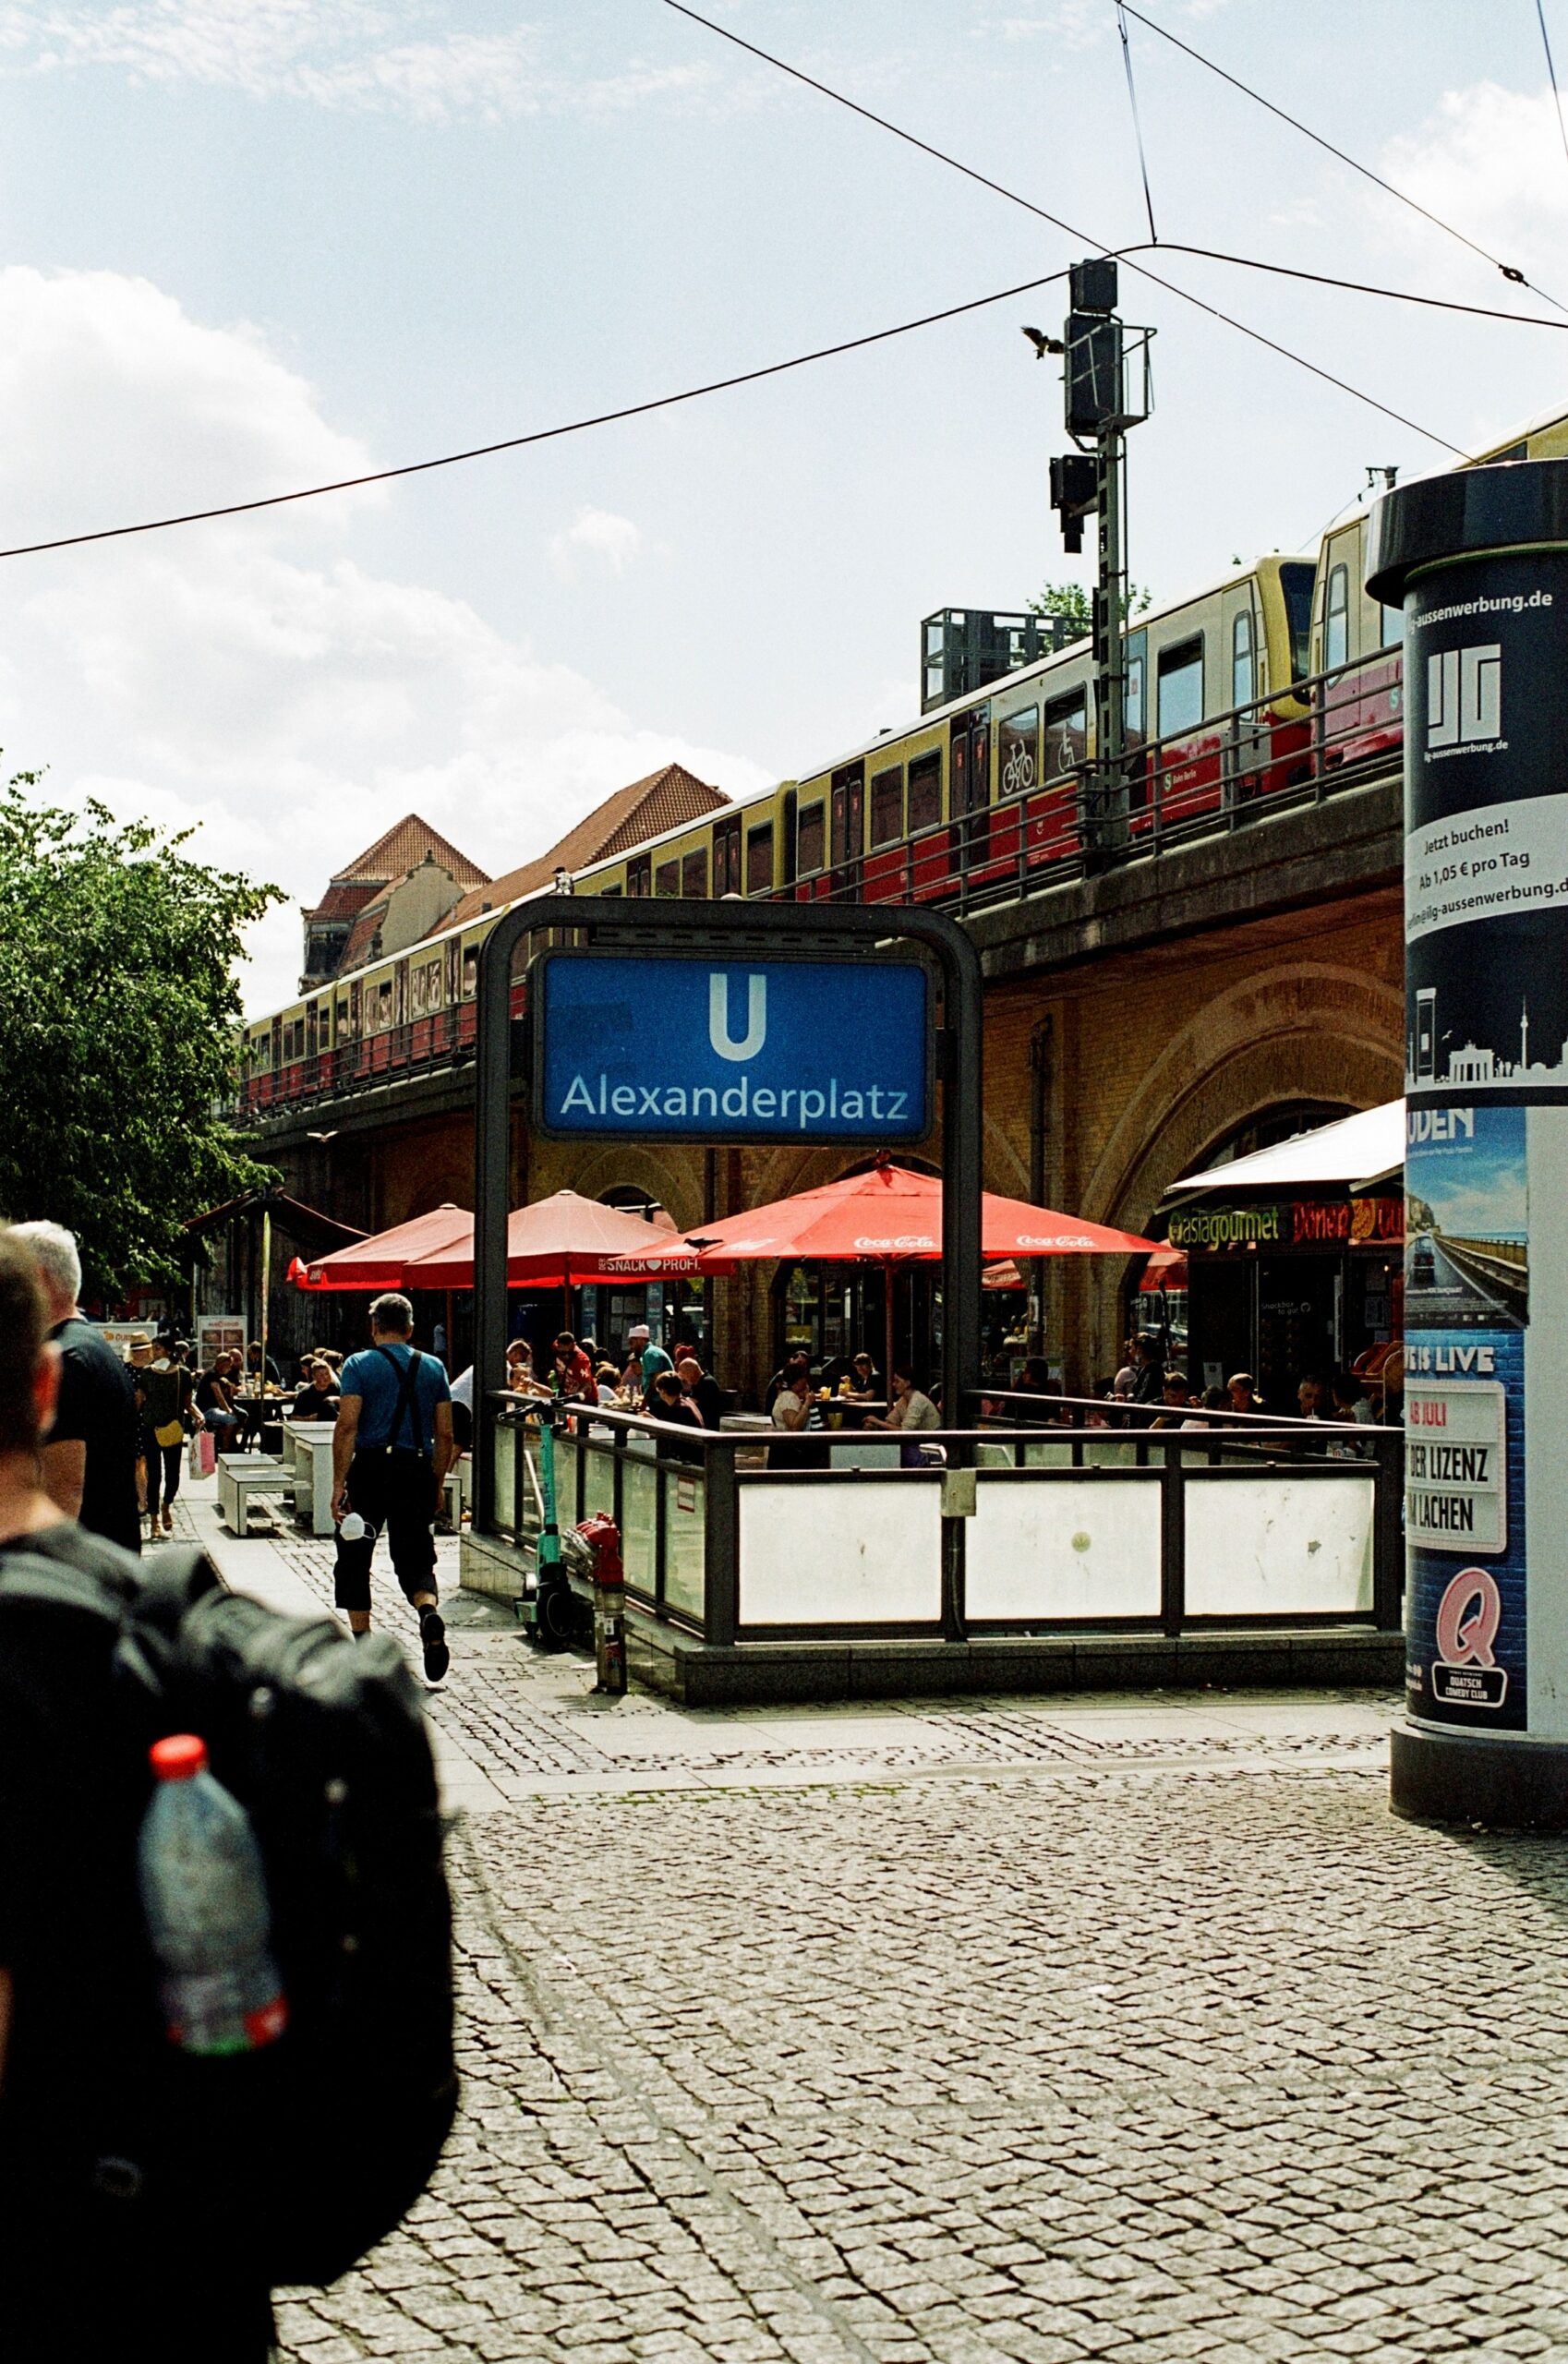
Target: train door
{"x":847,"y":831}
{"x":1241,"y":659}
{"x":970,"y":790}
{"x":1135,"y":722}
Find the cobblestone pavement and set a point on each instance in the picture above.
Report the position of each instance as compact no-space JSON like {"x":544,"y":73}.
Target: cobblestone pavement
{"x":1076,"y":2030}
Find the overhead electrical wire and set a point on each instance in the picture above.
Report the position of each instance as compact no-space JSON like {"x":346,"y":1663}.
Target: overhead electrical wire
{"x":1552,"y":75}
{"x":1137,"y":125}
{"x":1510,"y":271}
{"x":750,"y":377}
{"x":848,"y":344}
{"x":1359,"y":286}
{"x":540,"y":435}
{"x":1071,"y":229}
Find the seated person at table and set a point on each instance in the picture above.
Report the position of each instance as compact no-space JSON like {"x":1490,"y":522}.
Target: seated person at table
{"x":214,"y":1404}
{"x":320,"y":1397}
{"x":866,"y":1382}
{"x":701,"y":1390}
{"x":911,"y":1408}
{"x":666,"y":1403}
{"x":795,"y":1411}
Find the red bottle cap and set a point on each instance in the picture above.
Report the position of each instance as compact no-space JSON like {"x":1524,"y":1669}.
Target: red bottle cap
{"x":178,"y":1757}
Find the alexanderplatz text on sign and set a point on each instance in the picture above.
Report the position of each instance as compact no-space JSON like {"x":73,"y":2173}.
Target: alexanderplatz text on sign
{"x":734,"y":1022}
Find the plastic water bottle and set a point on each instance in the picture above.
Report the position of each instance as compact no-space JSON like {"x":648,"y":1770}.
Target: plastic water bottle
{"x":204,"y":1896}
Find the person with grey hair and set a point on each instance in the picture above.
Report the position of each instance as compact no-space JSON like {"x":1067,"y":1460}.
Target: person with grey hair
{"x":88,"y":1461}
{"x":392,"y":1449}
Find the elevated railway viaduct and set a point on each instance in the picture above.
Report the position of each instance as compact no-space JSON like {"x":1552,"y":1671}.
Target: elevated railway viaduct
{"x":1140,"y":1016}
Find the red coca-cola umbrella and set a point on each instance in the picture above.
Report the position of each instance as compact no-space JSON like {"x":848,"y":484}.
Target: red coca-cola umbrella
{"x":560,"y":1242}
{"x":891,"y":1216}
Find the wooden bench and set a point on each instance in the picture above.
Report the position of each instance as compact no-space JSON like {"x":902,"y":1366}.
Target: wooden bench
{"x":242,"y":1477}
{"x":307,"y":1456}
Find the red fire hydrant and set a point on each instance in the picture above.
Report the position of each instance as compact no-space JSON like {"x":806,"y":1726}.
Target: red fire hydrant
{"x":603,"y":1539}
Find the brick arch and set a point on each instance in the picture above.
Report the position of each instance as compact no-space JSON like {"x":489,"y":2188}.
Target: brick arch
{"x":637,"y":1167}
{"x":1303,"y":1032}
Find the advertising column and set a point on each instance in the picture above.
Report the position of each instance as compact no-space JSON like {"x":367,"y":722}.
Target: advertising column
{"x":1479,"y":561}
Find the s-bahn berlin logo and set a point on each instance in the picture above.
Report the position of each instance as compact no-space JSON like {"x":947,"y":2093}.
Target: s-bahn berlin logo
{"x":1465,"y":700}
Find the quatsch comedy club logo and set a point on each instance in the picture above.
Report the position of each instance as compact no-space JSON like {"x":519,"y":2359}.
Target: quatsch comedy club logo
{"x":1466,"y":1673}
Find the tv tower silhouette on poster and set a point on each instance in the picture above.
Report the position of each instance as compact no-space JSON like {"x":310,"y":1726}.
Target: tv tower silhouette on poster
{"x":1480,"y":1067}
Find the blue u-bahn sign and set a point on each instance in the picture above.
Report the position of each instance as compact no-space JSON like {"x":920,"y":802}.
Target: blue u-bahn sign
{"x":667,"y":1048}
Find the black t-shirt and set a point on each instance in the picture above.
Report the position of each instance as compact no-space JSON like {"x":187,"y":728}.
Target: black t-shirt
{"x":97,"y":1404}
{"x":86,"y":2273}
{"x":708,"y":1398}
{"x":315,"y":1403}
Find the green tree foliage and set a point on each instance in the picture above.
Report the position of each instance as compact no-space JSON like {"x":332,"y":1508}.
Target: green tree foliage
{"x":119,"y":1010}
{"x":1071,"y":601}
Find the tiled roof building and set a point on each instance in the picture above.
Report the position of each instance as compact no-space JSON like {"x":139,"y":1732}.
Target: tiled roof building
{"x":401,"y":886}
{"x":663,"y":801}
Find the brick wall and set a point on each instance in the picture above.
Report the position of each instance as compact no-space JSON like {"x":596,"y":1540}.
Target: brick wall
{"x":1153,"y":1057}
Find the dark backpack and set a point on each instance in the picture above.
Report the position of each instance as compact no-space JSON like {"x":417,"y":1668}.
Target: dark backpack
{"x":314,"y":2147}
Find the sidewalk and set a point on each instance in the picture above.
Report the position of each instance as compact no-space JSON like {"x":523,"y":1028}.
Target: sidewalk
{"x":940,"y":2033}
{"x":258,"y":1566}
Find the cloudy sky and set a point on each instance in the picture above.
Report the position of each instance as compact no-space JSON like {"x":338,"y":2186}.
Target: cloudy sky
{"x":251,"y":244}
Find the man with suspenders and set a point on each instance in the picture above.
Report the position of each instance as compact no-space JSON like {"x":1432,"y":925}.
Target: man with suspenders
{"x":391,"y":1450}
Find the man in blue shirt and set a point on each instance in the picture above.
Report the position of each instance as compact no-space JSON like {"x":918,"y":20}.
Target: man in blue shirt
{"x":650,"y":1360}
{"x":392,"y":1449}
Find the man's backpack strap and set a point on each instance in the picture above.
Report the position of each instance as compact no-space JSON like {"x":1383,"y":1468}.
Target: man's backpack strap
{"x":407,"y":1378}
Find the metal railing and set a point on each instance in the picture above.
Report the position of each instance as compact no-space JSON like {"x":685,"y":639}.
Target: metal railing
{"x":1289,"y":747}
{"x":1292,"y":746}
{"x":1012,"y":1528}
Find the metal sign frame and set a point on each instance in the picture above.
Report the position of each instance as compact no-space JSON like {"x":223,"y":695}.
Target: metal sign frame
{"x":679,"y":1132}
{"x":729,"y":931}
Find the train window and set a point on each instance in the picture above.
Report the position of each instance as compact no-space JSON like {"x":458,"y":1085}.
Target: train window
{"x":343,"y":1019}
{"x":694,"y":875}
{"x":639,"y":876}
{"x":1017,"y":759}
{"x":1390,"y":627}
{"x":1133,"y":713}
{"x":666,"y":878}
{"x":1066,"y":735}
{"x":611,"y":894}
{"x":470,"y":970}
{"x":354,"y":1008}
{"x":384,"y":1003}
{"x":1243,"y":682}
{"x":1295,"y":585}
{"x":925,"y":792}
{"x":808,"y":838}
{"x":1337,"y":620}
{"x":1180,"y":674}
{"x":790,"y":863}
{"x":887,"y":806}
{"x":727,"y":858}
{"x":759,"y":860}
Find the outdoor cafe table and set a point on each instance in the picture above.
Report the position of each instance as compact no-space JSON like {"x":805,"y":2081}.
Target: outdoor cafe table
{"x":264,"y":1413}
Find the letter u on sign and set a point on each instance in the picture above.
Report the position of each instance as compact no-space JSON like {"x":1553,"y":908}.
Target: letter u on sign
{"x":718,"y":1032}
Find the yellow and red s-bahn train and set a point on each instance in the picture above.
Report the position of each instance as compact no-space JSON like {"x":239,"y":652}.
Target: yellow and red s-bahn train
{"x":1276,"y":682}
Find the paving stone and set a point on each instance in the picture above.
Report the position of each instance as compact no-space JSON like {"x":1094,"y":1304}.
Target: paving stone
{"x":1134,"y":2041}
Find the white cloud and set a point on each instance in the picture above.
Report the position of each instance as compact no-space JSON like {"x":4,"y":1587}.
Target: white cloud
{"x":598,"y":535}
{"x":1490,"y":162}
{"x":354,"y":55}
{"x":251,"y":675}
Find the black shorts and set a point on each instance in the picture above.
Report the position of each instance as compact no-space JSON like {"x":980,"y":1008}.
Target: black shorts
{"x":396,"y":1495}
